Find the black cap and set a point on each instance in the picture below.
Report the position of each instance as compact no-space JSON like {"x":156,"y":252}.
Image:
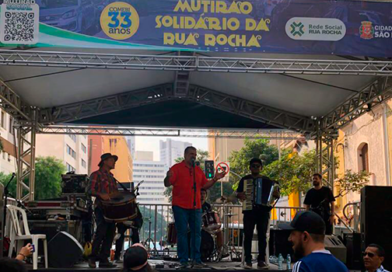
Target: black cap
{"x":105,"y":157}
{"x":307,"y":221}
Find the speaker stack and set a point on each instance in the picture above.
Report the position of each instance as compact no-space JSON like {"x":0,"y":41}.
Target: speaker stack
{"x":376,"y":219}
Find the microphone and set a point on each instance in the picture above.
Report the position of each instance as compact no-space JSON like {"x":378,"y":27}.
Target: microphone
{"x":193,"y":162}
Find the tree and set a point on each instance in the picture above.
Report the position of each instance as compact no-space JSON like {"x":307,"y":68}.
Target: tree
{"x":293,"y":171}
{"x":351,"y":182}
{"x":149,"y":215}
{"x":261,"y":148}
{"x":48,"y":171}
{"x":4,"y":180}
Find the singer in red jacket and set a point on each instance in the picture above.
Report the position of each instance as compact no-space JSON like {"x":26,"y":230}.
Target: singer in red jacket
{"x":184,"y":177}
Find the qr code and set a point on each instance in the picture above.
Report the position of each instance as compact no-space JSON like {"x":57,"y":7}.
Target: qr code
{"x":19,"y":27}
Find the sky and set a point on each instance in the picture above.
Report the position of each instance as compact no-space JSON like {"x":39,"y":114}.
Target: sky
{"x":151,"y":143}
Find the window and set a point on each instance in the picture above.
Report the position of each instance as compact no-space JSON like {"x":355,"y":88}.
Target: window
{"x":84,"y":164}
{"x":11,"y":125}
{"x":84,"y":149}
{"x":9,"y":157}
{"x":3,"y":155}
{"x":70,"y":168}
{"x":72,"y":136}
{"x":2,"y":119}
{"x":363,"y":157}
{"x":71,"y":152}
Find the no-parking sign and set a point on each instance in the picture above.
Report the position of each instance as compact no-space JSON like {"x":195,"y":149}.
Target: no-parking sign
{"x":223,"y":167}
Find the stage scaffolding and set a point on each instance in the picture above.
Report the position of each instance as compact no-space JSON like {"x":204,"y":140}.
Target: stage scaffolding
{"x":31,"y":120}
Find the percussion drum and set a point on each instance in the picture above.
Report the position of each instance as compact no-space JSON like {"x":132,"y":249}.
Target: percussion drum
{"x":120,"y":209}
{"x":211,"y":222}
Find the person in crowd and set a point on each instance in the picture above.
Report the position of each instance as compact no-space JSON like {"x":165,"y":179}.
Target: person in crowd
{"x":206,"y":207}
{"x":373,"y":257}
{"x":257,"y":216}
{"x":307,"y":235}
{"x":136,"y":259}
{"x":12,"y":265}
{"x":320,"y":199}
{"x":25,"y":252}
{"x":187,"y":180}
{"x":104,"y":187}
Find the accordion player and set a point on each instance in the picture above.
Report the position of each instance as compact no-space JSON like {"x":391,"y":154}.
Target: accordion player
{"x":260,"y":192}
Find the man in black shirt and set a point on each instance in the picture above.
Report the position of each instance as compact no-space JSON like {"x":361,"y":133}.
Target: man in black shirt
{"x":320,"y":199}
{"x":259,"y":216}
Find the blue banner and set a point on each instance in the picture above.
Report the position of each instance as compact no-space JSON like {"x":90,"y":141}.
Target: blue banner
{"x":354,"y":28}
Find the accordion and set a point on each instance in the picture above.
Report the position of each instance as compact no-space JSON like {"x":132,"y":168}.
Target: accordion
{"x":259,"y":192}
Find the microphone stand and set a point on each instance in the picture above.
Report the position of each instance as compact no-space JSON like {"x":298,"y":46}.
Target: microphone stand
{"x":194,"y":212}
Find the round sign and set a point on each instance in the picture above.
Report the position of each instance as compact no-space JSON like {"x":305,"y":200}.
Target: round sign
{"x":119,"y":20}
{"x":223,"y":167}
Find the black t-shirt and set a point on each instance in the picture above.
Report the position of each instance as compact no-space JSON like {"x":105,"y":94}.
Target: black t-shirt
{"x":319,"y":200}
{"x":240,"y":189}
{"x":206,"y":207}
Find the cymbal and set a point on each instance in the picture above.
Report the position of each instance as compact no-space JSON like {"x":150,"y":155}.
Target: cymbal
{"x":226,"y":199}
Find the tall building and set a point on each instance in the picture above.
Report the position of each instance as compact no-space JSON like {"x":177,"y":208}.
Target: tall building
{"x":170,"y":150}
{"x":8,"y":155}
{"x":131,"y":141}
{"x":116,"y":145}
{"x":144,"y":156}
{"x":71,"y":149}
{"x":153,"y":174}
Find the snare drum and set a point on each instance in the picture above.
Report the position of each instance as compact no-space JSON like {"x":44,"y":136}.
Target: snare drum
{"x":211,"y":222}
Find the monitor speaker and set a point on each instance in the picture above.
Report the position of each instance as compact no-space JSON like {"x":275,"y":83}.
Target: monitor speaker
{"x":336,"y":247}
{"x":64,"y":250}
{"x":376,"y":219}
{"x":352,"y":241}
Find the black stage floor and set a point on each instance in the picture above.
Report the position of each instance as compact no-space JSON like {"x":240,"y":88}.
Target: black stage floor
{"x":161,"y":266}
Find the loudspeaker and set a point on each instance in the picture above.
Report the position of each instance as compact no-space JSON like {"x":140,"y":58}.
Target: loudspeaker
{"x":376,"y":219}
{"x":279,"y":243}
{"x":64,"y":250}
{"x":352,"y":242}
{"x":336,"y":247}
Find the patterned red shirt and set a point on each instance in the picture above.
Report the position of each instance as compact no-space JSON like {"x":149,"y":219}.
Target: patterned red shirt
{"x":102,"y":182}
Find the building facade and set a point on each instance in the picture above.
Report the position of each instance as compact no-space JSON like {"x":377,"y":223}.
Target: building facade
{"x":170,"y":150}
{"x":116,"y":145}
{"x":8,"y":155}
{"x":71,"y":149}
{"x":152,"y":173}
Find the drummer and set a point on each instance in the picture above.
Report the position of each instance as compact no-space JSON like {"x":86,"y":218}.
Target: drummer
{"x":103,"y":186}
{"x":206,"y":207}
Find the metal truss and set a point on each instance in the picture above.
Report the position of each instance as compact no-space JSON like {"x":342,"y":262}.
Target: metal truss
{"x":13,"y":104}
{"x":165,"y":92}
{"x":168,"y":132}
{"x":194,"y":63}
{"x":358,"y":104}
{"x":326,"y":158}
{"x":26,"y":161}
{"x":249,"y":109}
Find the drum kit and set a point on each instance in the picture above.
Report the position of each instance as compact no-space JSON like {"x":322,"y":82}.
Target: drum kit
{"x":211,"y":226}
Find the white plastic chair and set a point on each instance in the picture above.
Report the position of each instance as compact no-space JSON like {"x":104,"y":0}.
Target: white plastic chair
{"x":20,"y":233}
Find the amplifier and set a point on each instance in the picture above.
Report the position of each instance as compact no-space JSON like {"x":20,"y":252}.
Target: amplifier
{"x":354,"y":252}
{"x":336,"y":246}
{"x":279,"y":243}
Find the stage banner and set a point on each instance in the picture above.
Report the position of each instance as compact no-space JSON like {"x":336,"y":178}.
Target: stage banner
{"x":356,"y":28}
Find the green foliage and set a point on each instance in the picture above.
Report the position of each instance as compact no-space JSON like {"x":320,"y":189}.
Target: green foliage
{"x":149,"y":215}
{"x":293,"y":172}
{"x":352,"y":182}
{"x":261,"y":148}
{"x":4,"y":180}
{"x":48,"y":171}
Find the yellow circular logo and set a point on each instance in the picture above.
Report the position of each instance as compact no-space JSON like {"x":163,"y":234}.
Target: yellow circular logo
{"x":119,"y":20}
